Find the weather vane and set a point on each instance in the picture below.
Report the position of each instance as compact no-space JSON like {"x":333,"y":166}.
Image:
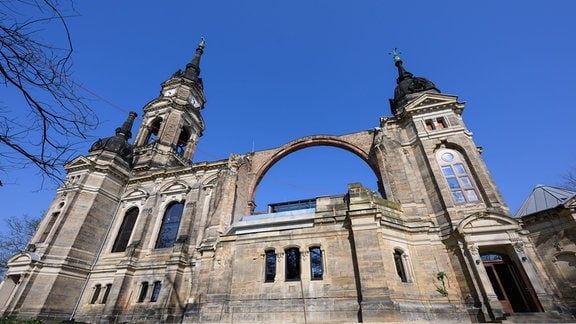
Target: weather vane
{"x":202,"y":42}
{"x":395,"y":54}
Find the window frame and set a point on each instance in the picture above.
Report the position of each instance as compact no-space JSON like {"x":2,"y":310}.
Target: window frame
{"x":95,"y":294}
{"x":162,"y":241}
{"x":457,"y":176}
{"x":316,"y":261}
{"x":156,"y":291}
{"x":106,"y":293}
{"x":143,"y":292}
{"x":153,"y":131}
{"x":401,"y":266}
{"x":123,"y":232}
{"x":293,"y":264}
{"x":270,"y":266}
{"x":48,"y":228}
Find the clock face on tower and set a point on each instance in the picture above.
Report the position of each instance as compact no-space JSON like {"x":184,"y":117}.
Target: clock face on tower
{"x":194,"y":102}
{"x":170,"y":92}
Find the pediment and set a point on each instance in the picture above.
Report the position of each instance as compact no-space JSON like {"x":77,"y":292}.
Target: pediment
{"x":79,"y":162}
{"x":23,"y":258}
{"x":175,"y":187}
{"x":135,"y":194}
{"x":430,"y":101}
{"x":487,"y":222}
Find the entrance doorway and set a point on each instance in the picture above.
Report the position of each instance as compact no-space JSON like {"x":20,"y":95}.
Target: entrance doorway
{"x":512,"y":287}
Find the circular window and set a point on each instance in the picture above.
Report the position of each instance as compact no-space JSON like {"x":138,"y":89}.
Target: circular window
{"x":448,"y":157}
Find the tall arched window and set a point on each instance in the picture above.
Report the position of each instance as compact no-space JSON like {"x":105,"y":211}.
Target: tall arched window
{"x":400,"y":265}
{"x":316,"y":268}
{"x":170,"y":225}
{"x":270,"y":271}
{"x":292,"y":264}
{"x":125,"y":231}
{"x":153,"y":130}
{"x":48,"y":227}
{"x":456,"y":174}
{"x":182,"y":141}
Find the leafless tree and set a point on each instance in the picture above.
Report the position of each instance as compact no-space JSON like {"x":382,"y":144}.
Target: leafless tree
{"x":42,"y":115}
{"x":570,"y":179}
{"x":14,"y":237}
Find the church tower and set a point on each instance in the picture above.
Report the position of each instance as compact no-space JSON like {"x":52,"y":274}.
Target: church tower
{"x":172,"y":123}
{"x":442,"y":166}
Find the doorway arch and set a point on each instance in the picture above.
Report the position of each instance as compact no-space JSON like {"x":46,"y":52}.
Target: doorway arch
{"x":511,"y":285}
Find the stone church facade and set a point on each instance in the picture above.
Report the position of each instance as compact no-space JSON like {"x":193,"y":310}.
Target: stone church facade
{"x":140,"y":233}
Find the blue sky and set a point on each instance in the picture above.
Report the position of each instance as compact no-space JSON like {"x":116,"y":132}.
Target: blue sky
{"x":275,"y":71}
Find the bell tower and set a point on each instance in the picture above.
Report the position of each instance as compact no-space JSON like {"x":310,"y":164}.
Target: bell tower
{"x":172,"y":123}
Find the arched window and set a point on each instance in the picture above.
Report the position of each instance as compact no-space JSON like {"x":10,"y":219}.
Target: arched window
{"x":182,"y":141}
{"x":143,"y":292}
{"x":455,"y":172}
{"x":96,"y":294}
{"x":153,"y":131}
{"x":48,"y":227}
{"x":125,"y":231}
{"x":316,"y":268}
{"x":292,"y":264}
{"x":400,"y":266}
{"x":270,"y":271}
{"x":156,"y":291}
{"x":170,"y":225}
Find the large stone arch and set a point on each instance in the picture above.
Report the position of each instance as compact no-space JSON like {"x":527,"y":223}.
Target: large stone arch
{"x":358,"y":144}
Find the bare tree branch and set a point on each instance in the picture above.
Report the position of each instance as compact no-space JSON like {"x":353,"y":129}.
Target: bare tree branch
{"x":41,"y":125}
{"x":14,"y":237}
{"x":570,"y":179}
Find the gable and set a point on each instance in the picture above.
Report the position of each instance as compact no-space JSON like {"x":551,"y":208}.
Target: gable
{"x":80,"y":162}
{"x":138,"y":193}
{"x":432,"y":101}
{"x":175,"y":187}
{"x":484,"y":222}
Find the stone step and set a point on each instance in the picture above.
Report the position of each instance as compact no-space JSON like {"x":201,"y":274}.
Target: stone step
{"x":547,"y":317}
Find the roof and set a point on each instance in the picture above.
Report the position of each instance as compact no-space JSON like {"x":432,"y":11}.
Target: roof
{"x":544,"y":197}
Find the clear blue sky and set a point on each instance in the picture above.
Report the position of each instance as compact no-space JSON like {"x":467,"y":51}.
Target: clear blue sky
{"x":275,"y":71}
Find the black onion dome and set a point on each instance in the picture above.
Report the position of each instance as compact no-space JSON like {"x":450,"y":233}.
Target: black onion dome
{"x":409,"y":86}
{"x":118,"y":143}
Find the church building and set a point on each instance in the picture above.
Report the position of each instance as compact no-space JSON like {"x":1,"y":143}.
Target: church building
{"x":141,"y":233}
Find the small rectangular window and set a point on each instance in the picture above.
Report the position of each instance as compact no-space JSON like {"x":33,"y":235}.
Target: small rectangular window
{"x":96,"y":294}
{"x":143,"y":292}
{"x":316,"y":268}
{"x":429,"y":124}
{"x":270,"y":266}
{"x":156,"y":291}
{"x":441,"y":123}
{"x":106,"y":293}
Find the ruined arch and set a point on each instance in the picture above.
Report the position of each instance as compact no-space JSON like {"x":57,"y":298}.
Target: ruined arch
{"x":358,"y":144}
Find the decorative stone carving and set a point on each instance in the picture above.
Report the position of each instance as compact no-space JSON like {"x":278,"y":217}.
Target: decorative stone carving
{"x":235,"y":161}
